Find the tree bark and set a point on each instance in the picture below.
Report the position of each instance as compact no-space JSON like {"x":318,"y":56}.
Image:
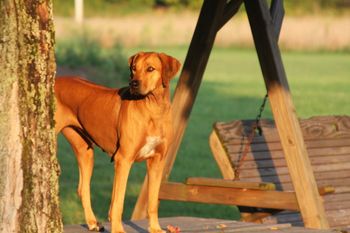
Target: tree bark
{"x":29,"y":169}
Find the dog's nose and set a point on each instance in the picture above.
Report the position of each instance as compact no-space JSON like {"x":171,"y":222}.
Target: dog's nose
{"x":134,"y":84}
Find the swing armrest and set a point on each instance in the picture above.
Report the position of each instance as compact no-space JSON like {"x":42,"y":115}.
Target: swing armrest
{"x":212,"y":182}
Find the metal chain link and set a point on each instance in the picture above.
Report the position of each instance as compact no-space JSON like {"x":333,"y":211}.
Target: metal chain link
{"x":245,"y":148}
{"x":258,"y":117}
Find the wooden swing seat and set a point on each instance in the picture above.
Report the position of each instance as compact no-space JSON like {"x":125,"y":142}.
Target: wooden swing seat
{"x":327,"y":139}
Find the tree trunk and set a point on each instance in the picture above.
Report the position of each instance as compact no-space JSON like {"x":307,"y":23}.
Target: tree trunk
{"x":28,"y":165}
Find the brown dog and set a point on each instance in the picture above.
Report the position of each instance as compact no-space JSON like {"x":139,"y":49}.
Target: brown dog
{"x":130,"y":124}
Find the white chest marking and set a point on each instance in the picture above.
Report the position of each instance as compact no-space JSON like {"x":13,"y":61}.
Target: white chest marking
{"x":148,"y":149}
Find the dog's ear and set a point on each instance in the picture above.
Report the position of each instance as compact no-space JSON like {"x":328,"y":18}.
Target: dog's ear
{"x":170,"y":66}
{"x":133,"y":58}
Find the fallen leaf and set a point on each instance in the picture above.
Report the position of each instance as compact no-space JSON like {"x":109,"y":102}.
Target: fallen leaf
{"x":221,"y":226}
{"x":173,"y":229}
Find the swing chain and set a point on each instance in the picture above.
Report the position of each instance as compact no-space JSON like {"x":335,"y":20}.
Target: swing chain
{"x":255,"y":127}
{"x":258,"y":117}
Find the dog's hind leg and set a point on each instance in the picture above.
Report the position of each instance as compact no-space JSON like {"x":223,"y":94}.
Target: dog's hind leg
{"x":85,"y":157}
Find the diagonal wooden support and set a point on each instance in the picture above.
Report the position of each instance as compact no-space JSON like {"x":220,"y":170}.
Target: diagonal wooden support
{"x":277,"y":15}
{"x":188,"y":85}
{"x":311,"y":206}
{"x":230,"y":10}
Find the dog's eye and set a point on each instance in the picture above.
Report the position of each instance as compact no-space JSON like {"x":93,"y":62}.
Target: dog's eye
{"x":133,"y":68}
{"x":150,"y":69}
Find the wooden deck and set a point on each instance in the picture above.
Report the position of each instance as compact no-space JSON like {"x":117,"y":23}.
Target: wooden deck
{"x":191,"y":224}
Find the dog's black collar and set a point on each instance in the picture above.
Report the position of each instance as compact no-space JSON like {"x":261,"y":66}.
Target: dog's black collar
{"x":126,"y":94}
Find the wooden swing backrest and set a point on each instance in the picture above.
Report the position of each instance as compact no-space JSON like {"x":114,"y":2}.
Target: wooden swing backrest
{"x":327,"y":139}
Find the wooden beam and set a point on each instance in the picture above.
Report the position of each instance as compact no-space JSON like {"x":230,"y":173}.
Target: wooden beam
{"x":277,"y":15}
{"x":282,"y":106}
{"x":228,"y":196}
{"x":188,"y":85}
{"x":212,"y":182}
{"x":231,"y":9}
{"x":192,"y":72}
{"x":225,"y":164}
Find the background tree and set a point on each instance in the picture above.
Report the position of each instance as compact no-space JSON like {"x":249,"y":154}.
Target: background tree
{"x":28,"y":166}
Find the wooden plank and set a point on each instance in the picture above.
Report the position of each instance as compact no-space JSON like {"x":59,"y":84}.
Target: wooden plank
{"x":284,"y":170}
{"x":325,"y":188}
{"x":204,"y":225}
{"x":332,"y":176}
{"x":228,"y":196}
{"x":338,"y":217}
{"x":276,"y":146}
{"x":335,"y":218}
{"x":260,"y":228}
{"x":343,"y":188}
{"x":187,"y":87}
{"x":212,"y":182}
{"x":337,"y":197}
{"x":315,"y":161}
{"x":283,"y":109}
{"x":320,"y":127}
{"x":340,"y":205}
{"x":275,"y":155}
{"x":221,"y":157}
{"x":285,"y":185}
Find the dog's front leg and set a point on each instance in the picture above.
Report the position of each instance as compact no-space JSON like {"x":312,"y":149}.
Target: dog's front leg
{"x":155,"y":167}
{"x":122,"y":167}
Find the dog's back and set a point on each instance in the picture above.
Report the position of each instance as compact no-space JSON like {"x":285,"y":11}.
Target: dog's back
{"x":83,"y":105}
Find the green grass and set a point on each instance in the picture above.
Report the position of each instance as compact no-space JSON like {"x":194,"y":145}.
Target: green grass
{"x":232,"y":88}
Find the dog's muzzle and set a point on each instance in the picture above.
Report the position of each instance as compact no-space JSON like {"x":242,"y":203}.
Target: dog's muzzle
{"x":134,"y":86}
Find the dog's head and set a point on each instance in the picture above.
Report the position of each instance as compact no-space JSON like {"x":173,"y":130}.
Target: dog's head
{"x":149,"y":71}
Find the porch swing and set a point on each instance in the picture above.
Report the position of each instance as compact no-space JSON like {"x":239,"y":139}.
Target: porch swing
{"x":279,"y":154}
{"x":251,"y":151}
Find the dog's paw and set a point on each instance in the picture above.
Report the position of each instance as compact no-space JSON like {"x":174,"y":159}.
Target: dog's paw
{"x":97,"y":227}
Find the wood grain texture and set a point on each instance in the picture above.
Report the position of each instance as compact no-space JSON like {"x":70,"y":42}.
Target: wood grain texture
{"x":328,"y":143}
{"x":220,"y":155}
{"x":212,"y":182}
{"x":192,"y":224}
{"x":228,"y":196}
{"x":284,"y":113}
{"x":230,"y":10}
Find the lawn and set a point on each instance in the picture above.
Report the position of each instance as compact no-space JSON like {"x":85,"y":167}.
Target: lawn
{"x":232,"y":88}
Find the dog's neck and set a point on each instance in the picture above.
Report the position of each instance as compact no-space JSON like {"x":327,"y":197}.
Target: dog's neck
{"x":158,"y":99}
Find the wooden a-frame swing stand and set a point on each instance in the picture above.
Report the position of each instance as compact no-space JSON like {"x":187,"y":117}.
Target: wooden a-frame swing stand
{"x":265,"y":24}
